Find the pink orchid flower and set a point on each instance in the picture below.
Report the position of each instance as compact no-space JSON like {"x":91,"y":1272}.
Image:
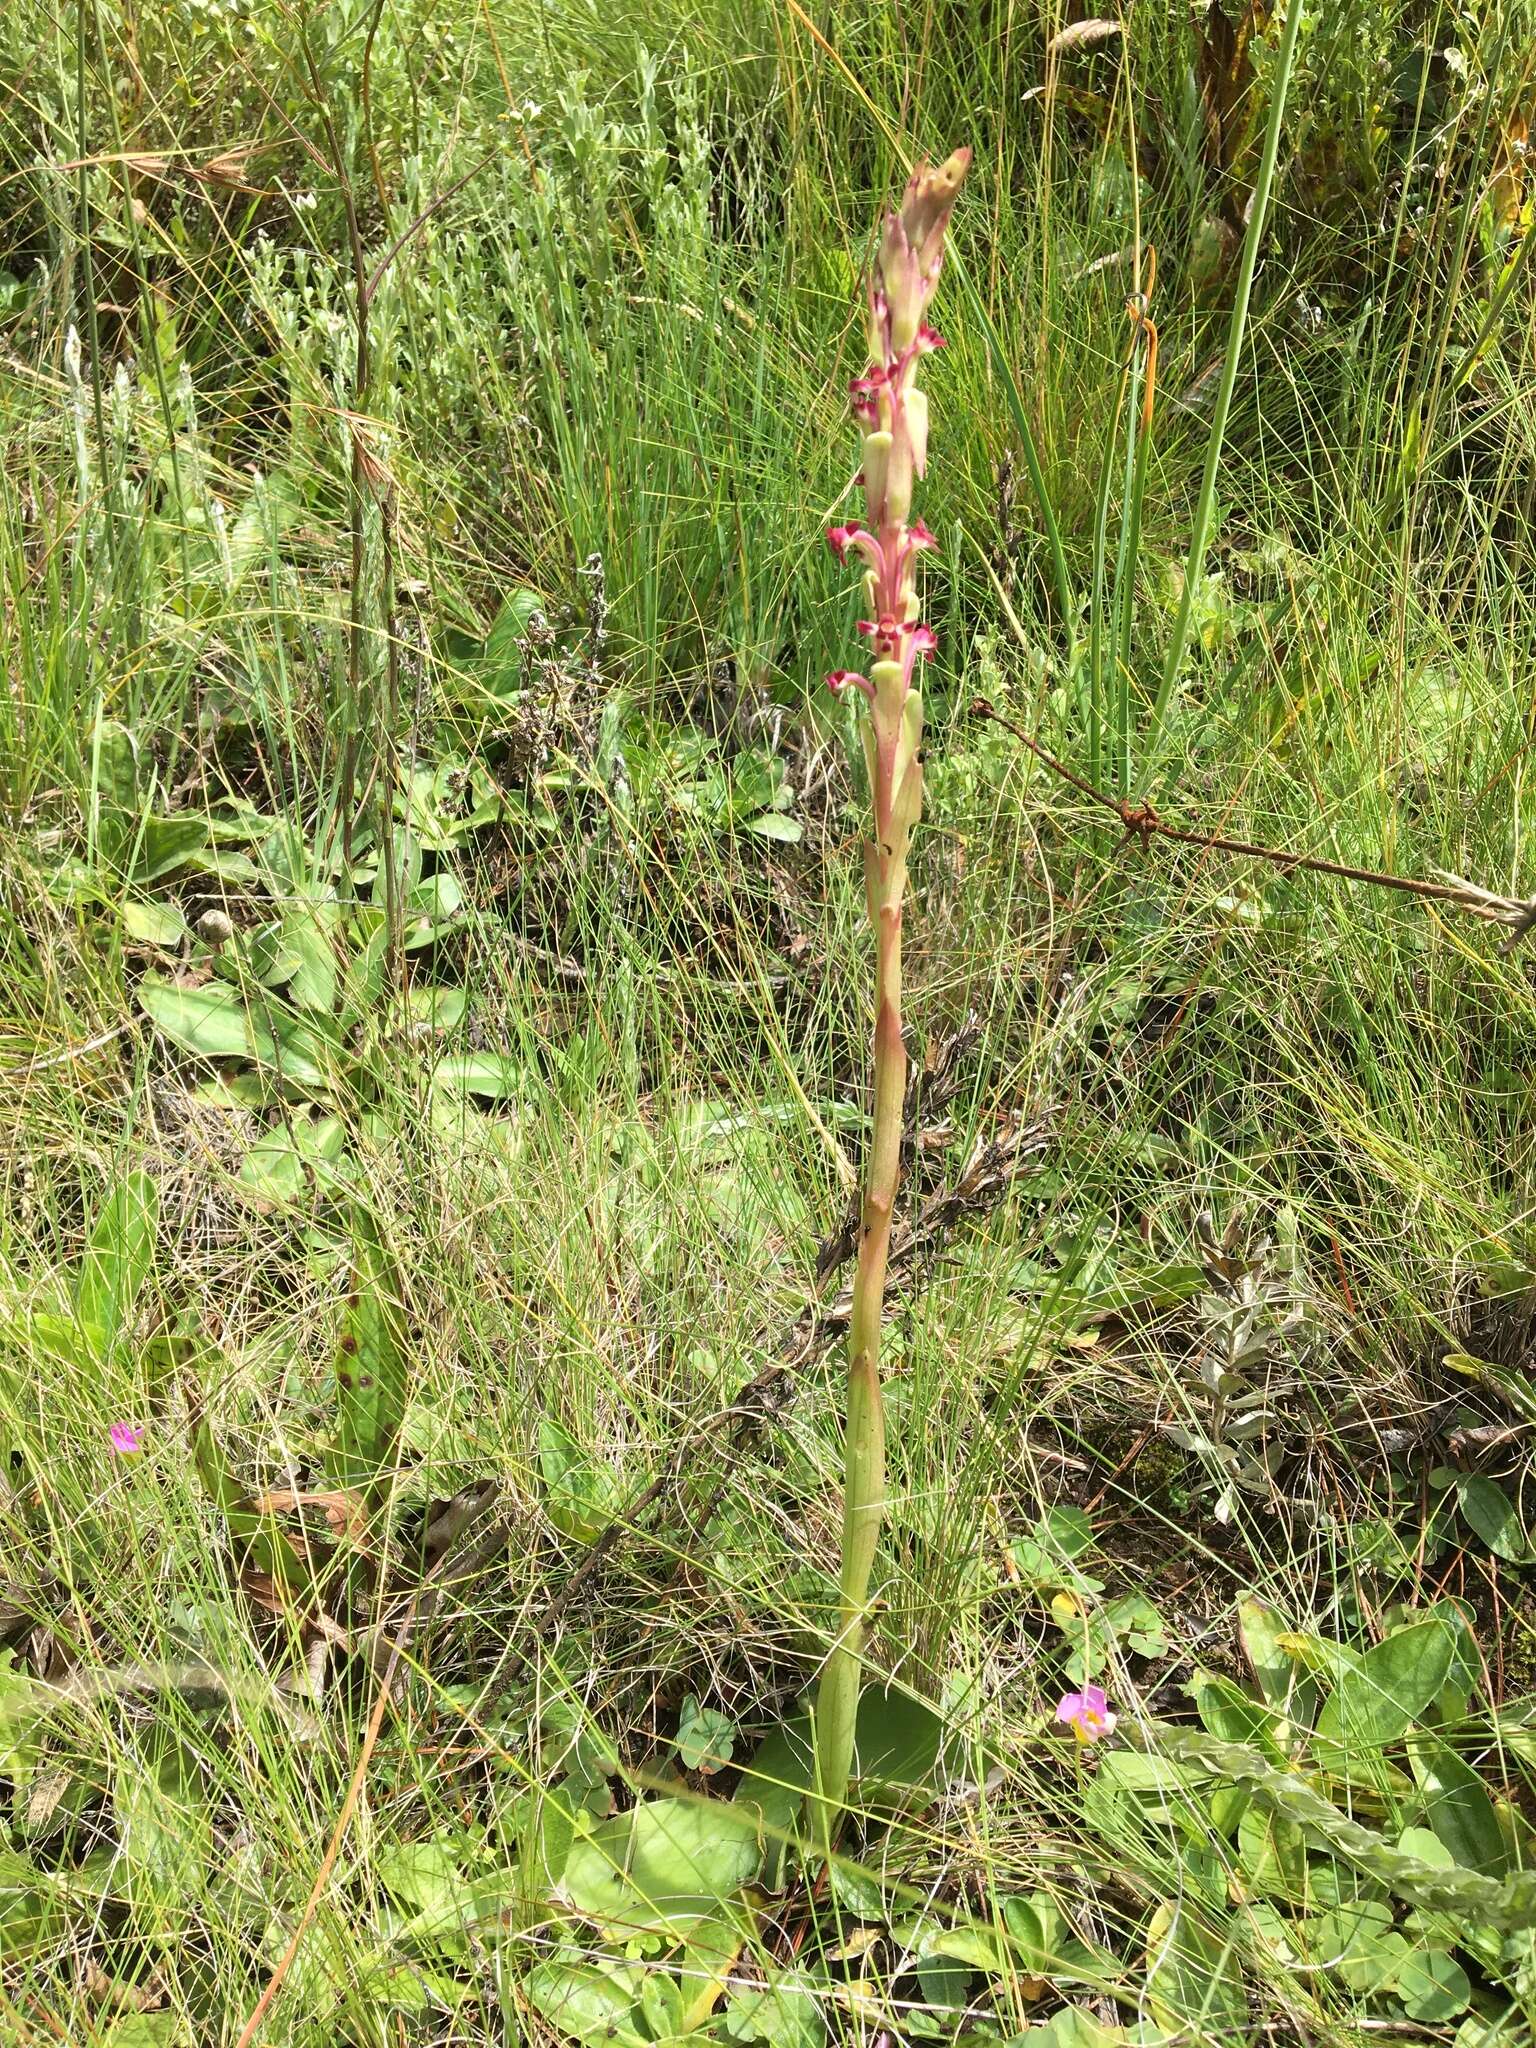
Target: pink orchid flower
{"x":1087,"y":1714}
{"x":125,"y":1439}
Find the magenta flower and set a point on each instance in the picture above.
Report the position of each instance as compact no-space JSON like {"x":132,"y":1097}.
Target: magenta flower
{"x":1087,"y":1714}
{"x":125,"y":1439}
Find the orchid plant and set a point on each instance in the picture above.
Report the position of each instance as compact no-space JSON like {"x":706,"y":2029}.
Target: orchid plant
{"x":892,"y":413}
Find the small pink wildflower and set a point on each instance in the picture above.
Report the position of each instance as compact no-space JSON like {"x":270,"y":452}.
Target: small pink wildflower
{"x":1087,"y":1714}
{"x":125,"y":1439}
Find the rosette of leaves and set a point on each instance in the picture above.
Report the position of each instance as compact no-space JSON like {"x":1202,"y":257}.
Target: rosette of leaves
{"x":1255,"y":1331}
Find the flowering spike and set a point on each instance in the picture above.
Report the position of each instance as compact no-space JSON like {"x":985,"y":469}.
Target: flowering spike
{"x":892,"y":414}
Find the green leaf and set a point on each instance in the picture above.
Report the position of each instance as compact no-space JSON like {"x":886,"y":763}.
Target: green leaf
{"x":32,"y":1916}
{"x":705,"y":1737}
{"x":898,"y":1739}
{"x":210,"y":1022}
{"x":309,"y":1053}
{"x":1038,"y":1930}
{"x":774,"y":825}
{"x":783,"y":2013}
{"x":774,"y":1786}
{"x":664,"y":1866}
{"x":1272,"y":1855}
{"x":165,"y":1834}
{"x":154,"y":924}
{"x":1457,"y":1806}
{"x":582,"y":1495}
{"x":1377,"y":1702}
{"x":1226,"y":1710}
{"x":1493,"y":1515}
{"x":503,"y":653}
{"x":1139,"y":1625}
{"x":370,"y":1366}
{"x":425,"y":1877}
{"x":598,"y":2004}
{"x":116,"y":789}
{"x":1067,"y":1531}
{"x":259,"y":1539}
{"x":313,"y":981}
{"x":143,"y":2030}
{"x":363,"y":976}
{"x":279,"y":1166}
{"x":494,"y":1075}
{"x":119,"y":1256}
{"x":1192,"y":1978}
{"x":1283,"y":1680}
{"x":430,"y":908}
{"x":1072,"y":2027}
{"x":1433,"y":1986}
{"x":439,"y":1009}
{"x":166,"y":844}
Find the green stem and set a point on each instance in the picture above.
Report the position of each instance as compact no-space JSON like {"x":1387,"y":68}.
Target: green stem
{"x":1200,"y":537}
{"x":837,"y":1702}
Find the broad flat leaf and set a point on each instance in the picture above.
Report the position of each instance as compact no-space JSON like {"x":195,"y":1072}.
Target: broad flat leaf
{"x":503,"y":650}
{"x":430,"y":907}
{"x":583,"y":1496}
{"x":1391,"y":1687}
{"x":279,"y":1167}
{"x":309,"y":1054}
{"x":781,"y":2014}
{"x":1457,"y":1806}
{"x":774,"y":1785}
{"x":705,"y":1737}
{"x":590,"y":2003}
{"x":115,"y":778}
{"x":1492,"y":1514}
{"x":119,"y":1255}
{"x":1072,"y":2028}
{"x":260,"y":1541}
{"x":1282,"y":1679}
{"x":1272,"y":1855}
{"x":362,"y":983}
{"x":370,"y":1365}
{"x":142,"y":2029}
{"x":1433,"y":1986}
{"x":440,"y":1009}
{"x":1193,"y":1981}
{"x":154,"y":924}
{"x":424,"y":1876}
{"x":774,"y":825}
{"x":165,"y":1833}
{"x":494,"y":1075}
{"x":309,"y":935}
{"x":166,"y":844}
{"x":897,"y":1743}
{"x":665,"y":1866}
{"x":211,"y":1022}
{"x":31,"y":1915}
{"x":1226,"y":1710}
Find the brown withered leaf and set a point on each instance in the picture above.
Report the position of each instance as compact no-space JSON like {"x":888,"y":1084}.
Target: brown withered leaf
{"x":1082,"y":35}
{"x":345,"y":1512}
{"x":1507,"y":189}
{"x":1224,"y":72}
